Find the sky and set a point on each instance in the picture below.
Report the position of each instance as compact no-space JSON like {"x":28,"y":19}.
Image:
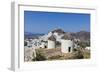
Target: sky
{"x":43,"y":22}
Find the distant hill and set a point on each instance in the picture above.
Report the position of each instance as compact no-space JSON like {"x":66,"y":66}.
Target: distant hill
{"x":32,"y":35}
{"x":82,"y":35}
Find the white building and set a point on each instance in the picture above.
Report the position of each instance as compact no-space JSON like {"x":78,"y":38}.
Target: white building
{"x":51,"y":42}
{"x":43,"y":45}
{"x":35,"y":43}
{"x":66,"y":44}
{"x":88,"y":48}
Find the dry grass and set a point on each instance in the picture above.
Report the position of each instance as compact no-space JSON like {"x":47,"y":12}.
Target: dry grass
{"x":86,"y":54}
{"x":49,"y":52}
{"x":56,"y":54}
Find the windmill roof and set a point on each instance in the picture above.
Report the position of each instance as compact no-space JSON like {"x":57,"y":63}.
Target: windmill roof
{"x":67,"y":37}
{"x":52,"y":38}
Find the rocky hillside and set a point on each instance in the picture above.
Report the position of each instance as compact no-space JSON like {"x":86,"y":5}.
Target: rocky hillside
{"x":83,"y":36}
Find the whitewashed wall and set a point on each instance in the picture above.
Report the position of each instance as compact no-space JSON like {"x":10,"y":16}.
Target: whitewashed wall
{"x":51,"y":44}
{"x":65,"y":44}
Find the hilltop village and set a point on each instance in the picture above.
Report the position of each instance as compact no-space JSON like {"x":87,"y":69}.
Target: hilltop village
{"x":54,"y":45}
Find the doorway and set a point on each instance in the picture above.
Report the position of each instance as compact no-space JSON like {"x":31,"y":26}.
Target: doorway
{"x":69,"y":49}
{"x":45,"y":46}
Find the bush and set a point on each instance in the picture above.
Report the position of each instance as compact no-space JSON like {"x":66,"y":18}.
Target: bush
{"x":84,"y":44}
{"x":77,"y":55}
{"x":86,"y":54}
{"x":74,"y":49}
{"x":39,"y":57}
